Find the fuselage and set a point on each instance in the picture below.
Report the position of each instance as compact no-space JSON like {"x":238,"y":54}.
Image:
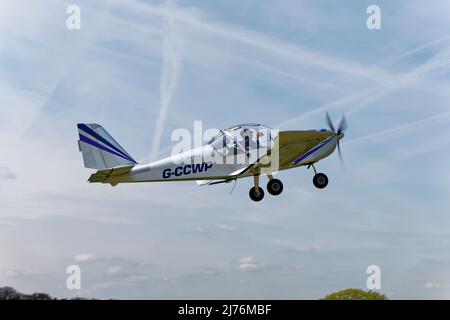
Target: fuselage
{"x":289,"y":149}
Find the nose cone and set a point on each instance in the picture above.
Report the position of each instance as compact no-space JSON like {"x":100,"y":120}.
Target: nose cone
{"x":340,"y":136}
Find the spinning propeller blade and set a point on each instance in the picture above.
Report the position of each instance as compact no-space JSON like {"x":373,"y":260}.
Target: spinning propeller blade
{"x":342,"y":125}
{"x":340,"y":131}
{"x":329,"y":122}
{"x":339,"y":151}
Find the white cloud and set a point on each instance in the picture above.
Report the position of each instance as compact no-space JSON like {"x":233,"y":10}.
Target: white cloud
{"x":227,"y":227}
{"x":301,"y":248}
{"x":138,"y":278}
{"x":114,"y":270}
{"x":22,"y":273}
{"x":435,"y":285}
{"x":294,"y":245}
{"x":85,"y":257}
{"x":111,"y":285}
{"x":247,"y":263}
{"x":6,"y":174}
{"x":201,"y":230}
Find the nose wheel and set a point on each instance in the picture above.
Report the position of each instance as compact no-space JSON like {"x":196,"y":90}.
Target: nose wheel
{"x":320,"y":180}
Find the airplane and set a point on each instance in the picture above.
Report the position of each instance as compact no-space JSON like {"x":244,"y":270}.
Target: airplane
{"x":245,"y":150}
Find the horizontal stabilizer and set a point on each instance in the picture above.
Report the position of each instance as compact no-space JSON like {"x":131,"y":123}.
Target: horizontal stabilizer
{"x":102,"y":175}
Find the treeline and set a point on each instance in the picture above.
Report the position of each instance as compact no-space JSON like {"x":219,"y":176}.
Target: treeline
{"x":8,"y":293}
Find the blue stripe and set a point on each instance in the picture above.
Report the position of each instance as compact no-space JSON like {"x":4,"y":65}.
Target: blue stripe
{"x":88,"y":130}
{"x":95,"y":144}
{"x":310,"y":152}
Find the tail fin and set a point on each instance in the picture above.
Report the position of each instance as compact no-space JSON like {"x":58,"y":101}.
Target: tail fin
{"x":100,"y":150}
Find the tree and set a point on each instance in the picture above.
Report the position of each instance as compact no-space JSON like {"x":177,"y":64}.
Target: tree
{"x":355,"y":294}
{"x":39,"y":296}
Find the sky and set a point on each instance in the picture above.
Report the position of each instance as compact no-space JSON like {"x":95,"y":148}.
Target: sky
{"x":145,"y":68}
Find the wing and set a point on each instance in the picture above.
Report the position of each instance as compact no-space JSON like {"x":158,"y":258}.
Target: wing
{"x":211,"y":182}
{"x":295,"y":143}
{"x":232,"y":176}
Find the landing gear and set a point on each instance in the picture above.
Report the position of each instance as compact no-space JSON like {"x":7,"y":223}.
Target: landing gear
{"x":256,"y":193}
{"x":274,"y":186}
{"x":256,"y":196}
{"x":320,"y":180}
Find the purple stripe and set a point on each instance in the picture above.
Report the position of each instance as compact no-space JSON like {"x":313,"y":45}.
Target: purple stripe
{"x":309,"y":153}
{"x":88,"y":130}
{"x":95,"y":144}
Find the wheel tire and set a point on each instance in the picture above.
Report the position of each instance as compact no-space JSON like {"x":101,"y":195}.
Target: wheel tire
{"x":274,"y":187}
{"x":320,"y":180}
{"x":254,"y":196}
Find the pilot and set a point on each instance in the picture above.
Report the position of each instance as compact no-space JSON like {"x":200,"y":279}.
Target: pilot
{"x":250,"y":142}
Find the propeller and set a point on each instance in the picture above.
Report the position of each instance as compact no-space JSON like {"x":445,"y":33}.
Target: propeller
{"x":340,"y":131}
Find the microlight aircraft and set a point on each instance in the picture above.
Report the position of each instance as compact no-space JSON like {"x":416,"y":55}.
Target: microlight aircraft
{"x":245,"y":150}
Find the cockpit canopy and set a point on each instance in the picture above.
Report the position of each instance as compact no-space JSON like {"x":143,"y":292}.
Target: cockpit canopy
{"x":243,"y":137}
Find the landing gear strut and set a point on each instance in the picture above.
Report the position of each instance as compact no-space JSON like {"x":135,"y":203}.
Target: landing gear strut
{"x":320,"y":180}
{"x":274,"y":186}
{"x":256,"y":193}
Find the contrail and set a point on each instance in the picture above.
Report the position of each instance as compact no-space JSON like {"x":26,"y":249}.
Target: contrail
{"x":170,"y":74}
{"x":331,"y":105}
{"x":415,"y":50}
{"x":439,"y":60}
{"x":284,"y":50}
{"x":386,"y":81}
{"x":373,"y":93}
{"x":437,"y":141}
{"x":408,"y":126}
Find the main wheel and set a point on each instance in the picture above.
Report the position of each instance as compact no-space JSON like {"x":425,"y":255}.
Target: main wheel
{"x":320,"y":180}
{"x":256,"y":196}
{"x":275,"y":187}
